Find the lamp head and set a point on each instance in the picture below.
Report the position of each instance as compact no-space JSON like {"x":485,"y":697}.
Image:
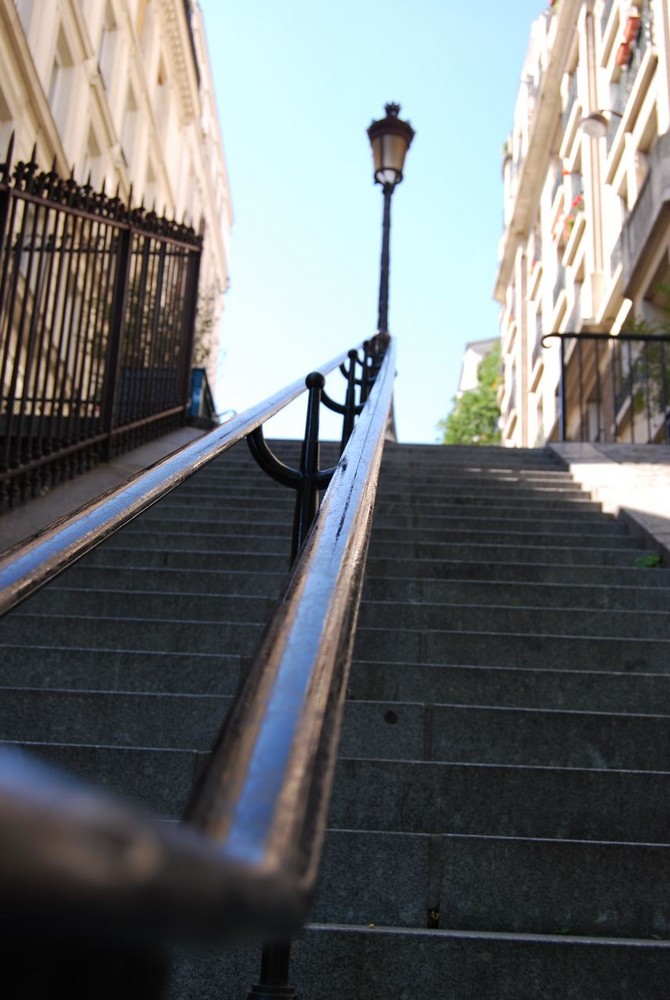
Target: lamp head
{"x":390,"y":138}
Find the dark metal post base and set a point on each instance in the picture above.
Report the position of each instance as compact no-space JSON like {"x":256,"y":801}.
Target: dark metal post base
{"x":274,"y":974}
{"x":271,"y":993}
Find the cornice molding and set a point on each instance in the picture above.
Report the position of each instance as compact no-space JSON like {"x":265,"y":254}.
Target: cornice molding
{"x":175,"y":30}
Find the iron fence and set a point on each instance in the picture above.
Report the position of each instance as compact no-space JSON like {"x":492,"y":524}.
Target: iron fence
{"x":614,"y":388}
{"x":97,"y":311}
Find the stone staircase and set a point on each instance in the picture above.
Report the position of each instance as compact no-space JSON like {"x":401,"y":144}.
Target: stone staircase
{"x":500,"y":826}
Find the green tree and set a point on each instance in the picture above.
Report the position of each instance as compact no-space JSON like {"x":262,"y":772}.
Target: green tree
{"x":474,"y":417}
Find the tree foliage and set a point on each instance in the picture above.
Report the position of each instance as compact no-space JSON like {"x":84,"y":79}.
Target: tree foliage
{"x":475,"y":413}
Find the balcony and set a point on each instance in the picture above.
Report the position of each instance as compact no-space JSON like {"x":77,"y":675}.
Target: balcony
{"x":629,"y":74}
{"x":575,"y":224}
{"x":608,"y":6}
{"x":649,"y":221}
{"x":572,"y":98}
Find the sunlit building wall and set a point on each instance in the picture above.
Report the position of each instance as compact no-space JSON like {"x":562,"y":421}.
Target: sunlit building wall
{"x":586,"y":241}
{"x":120,"y":93}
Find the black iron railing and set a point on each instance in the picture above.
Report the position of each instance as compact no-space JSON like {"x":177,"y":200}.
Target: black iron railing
{"x":249,"y":857}
{"x":614,"y":388}
{"x":97,"y":310}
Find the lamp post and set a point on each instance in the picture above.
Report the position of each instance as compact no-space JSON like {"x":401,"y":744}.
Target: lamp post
{"x":390,"y":138}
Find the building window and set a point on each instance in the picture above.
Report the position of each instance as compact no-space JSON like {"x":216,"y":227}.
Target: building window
{"x":130,"y":126}
{"x":93,"y":161}
{"x":109,"y":38}
{"x":60,"y":83}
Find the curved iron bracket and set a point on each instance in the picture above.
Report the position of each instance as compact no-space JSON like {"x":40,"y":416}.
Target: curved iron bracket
{"x":269,"y":462}
{"x":309,"y":480}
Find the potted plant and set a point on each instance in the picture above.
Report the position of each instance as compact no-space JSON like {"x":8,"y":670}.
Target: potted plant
{"x":576,"y":207}
{"x":623,"y":54}
{"x":631,"y":27}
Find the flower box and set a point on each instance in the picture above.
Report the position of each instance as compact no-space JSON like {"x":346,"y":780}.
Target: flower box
{"x":631,"y":28}
{"x":623,"y":54}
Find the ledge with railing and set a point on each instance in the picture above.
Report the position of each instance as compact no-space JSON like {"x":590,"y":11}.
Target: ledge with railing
{"x":247,"y":858}
{"x":614,"y":387}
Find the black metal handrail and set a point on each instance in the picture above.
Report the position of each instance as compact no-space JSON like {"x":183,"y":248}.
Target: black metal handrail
{"x":28,"y":566}
{"x":261,"y":805}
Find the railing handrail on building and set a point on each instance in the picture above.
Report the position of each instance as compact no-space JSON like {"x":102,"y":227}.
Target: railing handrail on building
{"x":263,"y":800}
{"x":613,"y":386}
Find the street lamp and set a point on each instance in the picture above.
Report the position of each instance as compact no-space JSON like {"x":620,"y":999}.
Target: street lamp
{"x":390,"y":138}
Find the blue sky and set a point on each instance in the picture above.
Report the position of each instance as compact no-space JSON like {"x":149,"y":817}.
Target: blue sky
{"x":297,"y":84}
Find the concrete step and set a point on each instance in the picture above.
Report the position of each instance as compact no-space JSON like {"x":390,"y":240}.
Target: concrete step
{"x":417,"y":797}
{"x":157,"y":779}
{"x":508,"y":649}
{"x":134,"y":556}
{"x":460,"y":605}
{"x":372,"y":962}
{"x":373,"y":729}
{"x":228,"y":508}
{"x":515,"y":593}
{"x":171,"y":605}
{"x":573,"y":551}
{"x":407,"y":516}
{"x":451,"y":492}
{"x":210,"y":541}
{"x":118,"y":719}
{"x":541,"y":738}
{"x":507,"y":885}
{"x":513,"y":618}
{"x":471,"y":456}
{"x":171,"y":580}
{"x":434,"y":502}
{"x":185,"y":721}
{"x":496,"y":800}
{"x":585,"y":574}
{"x":451,"y":481}
{"x":140,"y":634}
{"x":503,"y":534}
{"x":118,"y":670}
{"x":509,"y":687}
{"x":210,"y":527}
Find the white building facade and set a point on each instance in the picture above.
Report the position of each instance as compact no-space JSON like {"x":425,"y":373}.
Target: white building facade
{"x":586,"y":241}
{"x":120,"y":93}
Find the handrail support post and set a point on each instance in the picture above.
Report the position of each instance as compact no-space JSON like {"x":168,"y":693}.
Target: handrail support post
{"x":274,"y":982}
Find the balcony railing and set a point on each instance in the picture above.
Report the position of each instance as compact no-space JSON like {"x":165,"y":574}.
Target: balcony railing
{"x":607,"y":10}
{"x":572,"y":97}
{"x":614,"y":388}
{"x":644,"y":41}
